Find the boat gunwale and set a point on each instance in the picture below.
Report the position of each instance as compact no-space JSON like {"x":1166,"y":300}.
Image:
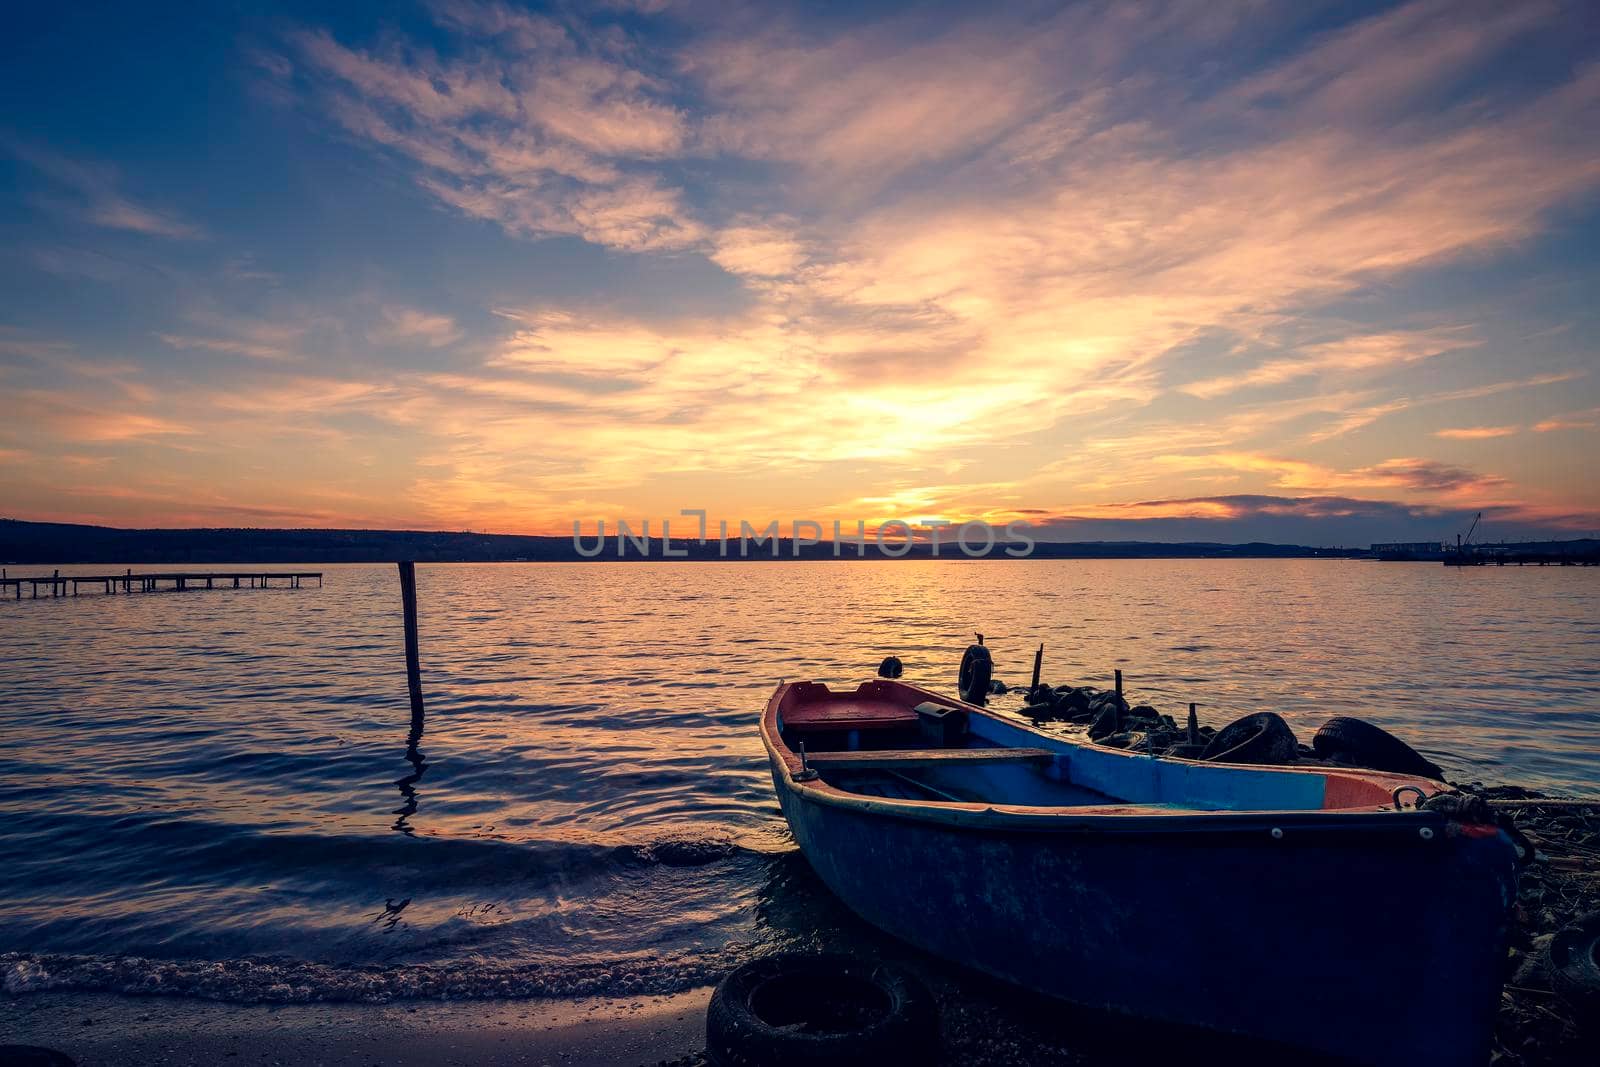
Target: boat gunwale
{"x":1114,"y":818}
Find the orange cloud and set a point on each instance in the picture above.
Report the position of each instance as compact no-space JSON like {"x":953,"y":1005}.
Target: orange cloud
{"x":1576,"y":420}
{"x":408,"y":324}
{"x":1350,"y":355}
{"x":1476,"y":433}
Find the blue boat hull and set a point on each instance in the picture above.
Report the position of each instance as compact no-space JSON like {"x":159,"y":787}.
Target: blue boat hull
{"x":1358,"y":945}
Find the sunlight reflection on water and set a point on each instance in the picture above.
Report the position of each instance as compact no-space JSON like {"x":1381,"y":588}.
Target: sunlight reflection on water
{"x":209,"y":776}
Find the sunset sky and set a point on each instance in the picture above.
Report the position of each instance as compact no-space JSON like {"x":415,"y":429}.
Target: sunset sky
{"x":1324,"y":273}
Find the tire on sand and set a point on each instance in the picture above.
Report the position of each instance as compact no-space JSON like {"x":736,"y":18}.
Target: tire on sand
{"x":1358,"y":742}
{"x":1260,"y":738}
{"x":797,"y":1010}
{"x":977,"y":669}
{"x":1574,"y":966}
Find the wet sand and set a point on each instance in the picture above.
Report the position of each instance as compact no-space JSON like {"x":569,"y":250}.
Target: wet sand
{"x":982,"y":1024}
{"x":106,"y":1030}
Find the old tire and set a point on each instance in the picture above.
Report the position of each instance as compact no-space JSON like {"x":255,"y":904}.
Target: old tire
{"x":1260,"y":738}
{"x":798,"y":1010}
{"x":1358,"y":742}
{"x":1107,"y":721}
{"x":977,"y":668}
{"x":1071,"y":701}
{"x":1574,"y":965}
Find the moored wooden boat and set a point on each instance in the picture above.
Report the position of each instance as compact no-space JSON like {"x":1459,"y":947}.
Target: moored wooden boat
{"x":1324,"y":909}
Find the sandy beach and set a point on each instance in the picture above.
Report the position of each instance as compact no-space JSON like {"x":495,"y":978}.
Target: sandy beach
{"x":105,"y":1030}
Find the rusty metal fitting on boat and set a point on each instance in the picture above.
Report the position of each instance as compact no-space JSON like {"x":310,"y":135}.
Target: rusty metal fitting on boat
{"x":806,"y":773}
{"x":1421,"y":796}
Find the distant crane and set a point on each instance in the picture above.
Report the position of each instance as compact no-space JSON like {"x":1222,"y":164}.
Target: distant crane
{"x":1464,"y":545}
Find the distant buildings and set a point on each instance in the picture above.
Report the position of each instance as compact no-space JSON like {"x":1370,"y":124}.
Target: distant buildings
{"x":1402,"y":550}
{"x":1584,"y":551}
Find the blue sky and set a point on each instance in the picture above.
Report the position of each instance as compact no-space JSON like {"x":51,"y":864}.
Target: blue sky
{"x":1268,"y":271}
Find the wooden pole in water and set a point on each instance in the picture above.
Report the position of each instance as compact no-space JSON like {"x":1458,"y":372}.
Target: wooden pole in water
{"x":1119,"y":683}
{"x":408,"y":600}
{"x":1194,"y":726}
{"x":1038,"y":665}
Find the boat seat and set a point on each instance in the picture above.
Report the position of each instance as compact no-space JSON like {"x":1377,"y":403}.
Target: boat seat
{"x":927,"y":757}
{"x":848,"y":714}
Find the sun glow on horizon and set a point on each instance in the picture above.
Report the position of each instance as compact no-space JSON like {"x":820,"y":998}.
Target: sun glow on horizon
{"x":1201,"y":274}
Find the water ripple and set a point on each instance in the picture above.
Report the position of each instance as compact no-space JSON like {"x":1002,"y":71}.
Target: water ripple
{"x":220,"y":794}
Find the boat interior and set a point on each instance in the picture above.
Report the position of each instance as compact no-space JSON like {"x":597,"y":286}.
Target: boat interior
{"x":891,"y":740}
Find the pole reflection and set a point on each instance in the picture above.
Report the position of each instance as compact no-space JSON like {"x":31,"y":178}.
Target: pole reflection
{"x":419,"y":766}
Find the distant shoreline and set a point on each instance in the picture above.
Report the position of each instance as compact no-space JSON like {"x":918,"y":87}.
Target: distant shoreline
{"x":62,"y":544}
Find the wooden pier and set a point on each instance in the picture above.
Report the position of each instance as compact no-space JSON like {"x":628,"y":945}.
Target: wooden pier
{"x":170,"y":581}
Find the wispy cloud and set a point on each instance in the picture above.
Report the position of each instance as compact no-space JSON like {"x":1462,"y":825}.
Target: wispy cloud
{"x":63,"y":415}
{"x":1379,"y":69}
{"x":409,"y":324}
{"x":1476,"y":433}
{"x":1351,"y":413}
{"x":1347,"y":356}
{"x":1574,"y":420}
{"x":288,"y":333}
{"x":118,"y":213}
{"x":228,"y":345}
{"x":25,"y":345}
{"x":537,"y":130}
{"x":1493,"y":388}
{"x":97,"y":199}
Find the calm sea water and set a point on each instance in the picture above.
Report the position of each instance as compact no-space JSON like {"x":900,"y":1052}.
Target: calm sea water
{"x":218,"y":793}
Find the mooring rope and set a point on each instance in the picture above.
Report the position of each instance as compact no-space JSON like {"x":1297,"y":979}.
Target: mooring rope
{"x":1544,"y":802}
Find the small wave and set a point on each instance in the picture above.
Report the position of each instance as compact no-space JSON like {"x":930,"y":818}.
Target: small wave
{"x":266,"y":980}
{"x":250,"y":852}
